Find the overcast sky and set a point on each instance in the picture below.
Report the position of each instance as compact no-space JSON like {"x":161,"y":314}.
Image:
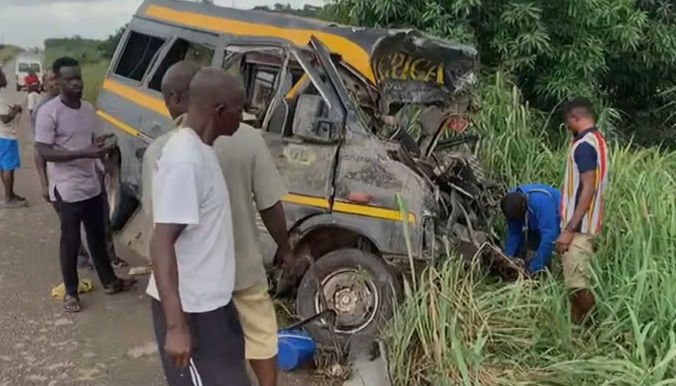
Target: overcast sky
{"x":28,"y":23}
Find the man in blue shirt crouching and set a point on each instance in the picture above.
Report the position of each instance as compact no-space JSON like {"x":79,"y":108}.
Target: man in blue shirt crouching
{"x":533,"y":221}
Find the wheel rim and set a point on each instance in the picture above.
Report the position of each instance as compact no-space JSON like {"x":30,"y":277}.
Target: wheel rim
{"x":353,"y":294}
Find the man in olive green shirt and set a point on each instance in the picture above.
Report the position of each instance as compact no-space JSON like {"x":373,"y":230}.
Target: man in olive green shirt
{"x":252,"y":178}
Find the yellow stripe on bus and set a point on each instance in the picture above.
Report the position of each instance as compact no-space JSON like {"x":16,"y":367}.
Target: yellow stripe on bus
{"x":350,"y":51}
{"x":115,"y":122}
{"x":306,"y":200}
{"x":155,"y":104}
{"x":346,"y":207}
{"x":371,"y":211}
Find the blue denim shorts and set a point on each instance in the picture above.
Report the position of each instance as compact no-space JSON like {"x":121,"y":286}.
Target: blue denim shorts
{"x":9,"y":154}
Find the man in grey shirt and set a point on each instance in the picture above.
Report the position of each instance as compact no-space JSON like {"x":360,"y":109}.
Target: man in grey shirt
{"x":64,"y":136}
{"x":84,"y":255}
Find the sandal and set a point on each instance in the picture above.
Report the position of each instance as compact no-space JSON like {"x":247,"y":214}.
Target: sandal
{"x":15,"y":204}
{"x":120,"y":285}
{"x":72,"y":304}
{"x":119,"y":263}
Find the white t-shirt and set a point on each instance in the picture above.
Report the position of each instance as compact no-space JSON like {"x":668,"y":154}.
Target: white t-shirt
{"x":188,"y":188}
{"x":7,"y":130}
{"x":33,"y":100}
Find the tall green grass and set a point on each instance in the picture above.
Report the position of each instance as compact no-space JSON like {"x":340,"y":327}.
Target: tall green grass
{"x":93,"y":75}
{"x":462,"y":328}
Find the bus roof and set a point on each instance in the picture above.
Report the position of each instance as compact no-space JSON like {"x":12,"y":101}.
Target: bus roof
{"x":354,"y":44}
{"x":435,"y":69}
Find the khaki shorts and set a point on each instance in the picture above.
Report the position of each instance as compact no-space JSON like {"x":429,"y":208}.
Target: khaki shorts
{"x":259,"y":321}
{"x":576,"y":262}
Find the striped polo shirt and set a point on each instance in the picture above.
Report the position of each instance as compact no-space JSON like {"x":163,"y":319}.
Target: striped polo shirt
{"x":588,"y":153}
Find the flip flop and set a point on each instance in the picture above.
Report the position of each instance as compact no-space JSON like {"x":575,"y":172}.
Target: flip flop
{"x":120,"y":285}
{"x":71,"y":304}
{"x":14,"y":204}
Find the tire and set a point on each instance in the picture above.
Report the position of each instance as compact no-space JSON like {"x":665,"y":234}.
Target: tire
{"x":336,"y":273}
{"x":121,"y":202}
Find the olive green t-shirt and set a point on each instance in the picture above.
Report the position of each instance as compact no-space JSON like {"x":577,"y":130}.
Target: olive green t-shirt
{"x":253,"y":183}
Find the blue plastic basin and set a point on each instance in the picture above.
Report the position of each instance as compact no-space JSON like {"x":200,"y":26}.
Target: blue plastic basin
{"x":293,"y":349}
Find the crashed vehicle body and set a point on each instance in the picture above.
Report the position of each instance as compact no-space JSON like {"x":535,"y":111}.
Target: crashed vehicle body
{"x":358,"y":205}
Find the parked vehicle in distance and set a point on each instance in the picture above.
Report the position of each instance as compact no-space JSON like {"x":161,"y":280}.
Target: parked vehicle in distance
{"x":25,"y":63}
{"x":359,"y":203}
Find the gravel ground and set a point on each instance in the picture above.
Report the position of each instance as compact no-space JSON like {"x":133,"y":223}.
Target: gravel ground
{"x":109,"y":344}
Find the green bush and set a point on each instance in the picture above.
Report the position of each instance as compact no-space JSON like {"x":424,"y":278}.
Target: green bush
{"x":620,"y":52}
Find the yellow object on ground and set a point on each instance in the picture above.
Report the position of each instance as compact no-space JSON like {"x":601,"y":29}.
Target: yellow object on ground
{"x":84,"y":286}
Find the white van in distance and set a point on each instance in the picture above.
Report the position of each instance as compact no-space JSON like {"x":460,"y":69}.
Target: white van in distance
{"x":24,"y":64}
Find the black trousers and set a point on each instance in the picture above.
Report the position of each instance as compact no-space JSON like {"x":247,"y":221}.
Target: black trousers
{"x":91,"y":213}
{"x":217,"y":357}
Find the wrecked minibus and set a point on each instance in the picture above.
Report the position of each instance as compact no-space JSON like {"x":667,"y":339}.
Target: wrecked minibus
{"x":364,"y":207}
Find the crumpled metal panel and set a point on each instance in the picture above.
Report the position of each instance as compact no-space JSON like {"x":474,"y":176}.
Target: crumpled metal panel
{"x":412,"y":68}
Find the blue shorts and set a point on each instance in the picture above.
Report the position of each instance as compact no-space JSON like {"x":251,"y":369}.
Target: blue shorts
{"x":9,"y":154}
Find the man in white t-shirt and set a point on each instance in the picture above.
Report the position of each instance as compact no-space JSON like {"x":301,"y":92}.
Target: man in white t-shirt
{"x":9,"y":147}
{"x":33,"y":98}
{"x":192,"y":248}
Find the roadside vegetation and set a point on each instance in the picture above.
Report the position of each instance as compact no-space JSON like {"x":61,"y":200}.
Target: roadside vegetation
{"x":464,"y":328}
{"x":93,"y":55}
{"x":8,"y":51}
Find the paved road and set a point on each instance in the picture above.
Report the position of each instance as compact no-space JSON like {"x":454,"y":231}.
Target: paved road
{"x":109,"y":344}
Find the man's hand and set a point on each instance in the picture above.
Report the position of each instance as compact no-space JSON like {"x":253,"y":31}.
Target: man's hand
{"x":177,"y":346}
{"x":288,"y":258}
{"x":102,"y":139}
{"x":564,"y":241}
{"x":96,"y":150}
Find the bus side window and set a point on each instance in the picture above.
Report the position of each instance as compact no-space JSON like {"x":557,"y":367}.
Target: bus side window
{"x":258,"y":69}
{"x":181,"y":50}
{"x":138,"y":53}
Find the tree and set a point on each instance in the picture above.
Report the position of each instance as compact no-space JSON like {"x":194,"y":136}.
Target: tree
{"x":622,"y":52}
{"x":107,"y":47}
{"x":307,"y":10}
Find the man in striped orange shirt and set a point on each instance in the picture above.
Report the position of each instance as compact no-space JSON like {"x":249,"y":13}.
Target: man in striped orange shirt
{"x":581,"y":203}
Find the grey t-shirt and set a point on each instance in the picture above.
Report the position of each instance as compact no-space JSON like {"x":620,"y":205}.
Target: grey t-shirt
{"x":66,"y":128}
{"x":34,"y":117}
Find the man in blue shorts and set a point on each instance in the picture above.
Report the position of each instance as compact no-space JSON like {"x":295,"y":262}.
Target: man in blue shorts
{"x":9,"y":147}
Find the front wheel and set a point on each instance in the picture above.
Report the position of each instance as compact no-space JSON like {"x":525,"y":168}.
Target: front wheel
{"x":121,"y":204}
{"x":359,"y":286}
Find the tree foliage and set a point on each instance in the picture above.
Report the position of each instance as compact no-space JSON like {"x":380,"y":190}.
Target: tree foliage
{"x":307,"y":10}
{"x":84,"y":50}
{"x":107,"y":47}
{"x":621,"y":52}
